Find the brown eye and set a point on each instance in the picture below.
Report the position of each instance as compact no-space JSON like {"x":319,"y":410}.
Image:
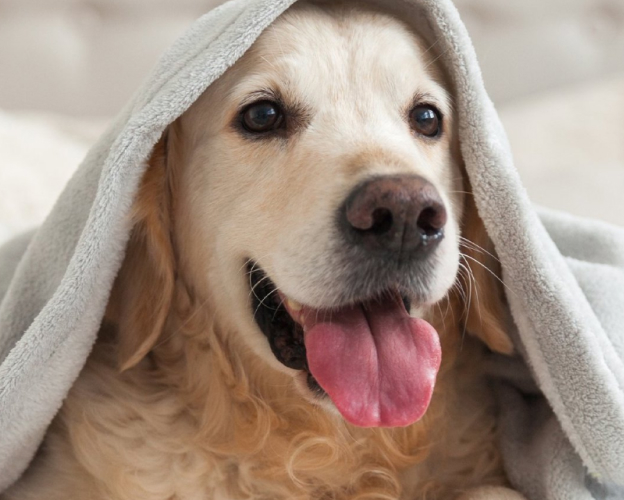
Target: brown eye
{"x":262,"y":117}
{"x":425,"y":120}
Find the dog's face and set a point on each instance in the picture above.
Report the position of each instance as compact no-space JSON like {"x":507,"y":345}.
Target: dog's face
{"x":318,"y":195}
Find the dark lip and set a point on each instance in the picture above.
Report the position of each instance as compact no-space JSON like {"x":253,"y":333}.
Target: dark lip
{"x":285,"y":336}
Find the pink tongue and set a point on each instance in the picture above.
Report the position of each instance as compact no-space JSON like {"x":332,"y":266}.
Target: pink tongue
{"x":376,"y":363}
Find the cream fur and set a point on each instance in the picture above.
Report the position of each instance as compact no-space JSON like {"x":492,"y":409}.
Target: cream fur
{"x":203,"y":408}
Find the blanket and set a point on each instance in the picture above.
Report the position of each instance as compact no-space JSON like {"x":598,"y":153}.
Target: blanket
{"x":562,"y":406}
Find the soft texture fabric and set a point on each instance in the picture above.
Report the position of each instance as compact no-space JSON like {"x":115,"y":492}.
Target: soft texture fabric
{"x":562,"y":439}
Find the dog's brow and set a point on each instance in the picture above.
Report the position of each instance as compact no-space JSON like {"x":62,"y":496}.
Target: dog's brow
{"x":259,"y":95}
{"x":425,"y":98}
{"x":442,"y":102}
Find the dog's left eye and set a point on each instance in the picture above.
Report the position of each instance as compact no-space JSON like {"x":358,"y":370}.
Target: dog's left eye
{"x":426,"y":120}
{"x":261,"y":117}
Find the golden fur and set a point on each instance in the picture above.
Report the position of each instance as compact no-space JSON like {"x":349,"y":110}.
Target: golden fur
{"x":181,"y":398}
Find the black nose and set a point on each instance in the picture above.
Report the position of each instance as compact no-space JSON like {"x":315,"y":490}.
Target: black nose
{"x":395,"y":215}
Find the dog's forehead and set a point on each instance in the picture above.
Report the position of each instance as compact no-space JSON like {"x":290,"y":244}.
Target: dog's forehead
{"x":318,"y":52}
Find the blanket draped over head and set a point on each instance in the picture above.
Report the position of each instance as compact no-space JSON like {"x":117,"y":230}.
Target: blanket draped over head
{"x":562,"y":405}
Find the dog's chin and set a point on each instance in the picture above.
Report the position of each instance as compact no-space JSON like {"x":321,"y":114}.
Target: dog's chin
{"x":286,"y":323}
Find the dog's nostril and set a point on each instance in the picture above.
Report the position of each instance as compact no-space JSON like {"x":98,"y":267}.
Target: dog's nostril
{"x":431,"y":220}
{"x":382,"y":221}
{"x":397,"y":215}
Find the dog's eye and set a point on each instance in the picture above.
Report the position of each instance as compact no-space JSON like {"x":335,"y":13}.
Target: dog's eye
{"x":262,"y":117}
{"x":425,"y":120}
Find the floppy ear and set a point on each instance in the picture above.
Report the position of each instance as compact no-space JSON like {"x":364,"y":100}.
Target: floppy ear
{"x":143,"y":291}
{"x":487,"y":312}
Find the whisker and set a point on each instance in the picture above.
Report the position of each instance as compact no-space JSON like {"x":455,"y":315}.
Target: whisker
{"x":475,"y":285}
{"x":278,"y":307}
{"x":262,"y":302}
{"x":460,"y":288}
{"x":436,"y":41}
{"x":470,"y":278}
{"x":442,"y":316}
{"x":268,"y":62}
{"x":252,"y":291}
{"x":472,"y":245}
{"x":467,"y":303}
{"x":456,"y":288}
{"x":438,"y":57}
{"x":491,"y":272}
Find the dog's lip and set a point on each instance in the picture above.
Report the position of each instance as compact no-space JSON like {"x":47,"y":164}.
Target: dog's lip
{"x":298,"y":310}
{"x":285,"y":336}
{"x":295,"y":309}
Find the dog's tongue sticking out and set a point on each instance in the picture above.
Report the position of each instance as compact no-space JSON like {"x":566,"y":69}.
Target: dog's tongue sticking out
{"x":376,"y":363}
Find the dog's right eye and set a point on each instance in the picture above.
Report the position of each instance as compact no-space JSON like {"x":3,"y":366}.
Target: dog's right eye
{"x":261,"y":117}
{"x":426,"y":120}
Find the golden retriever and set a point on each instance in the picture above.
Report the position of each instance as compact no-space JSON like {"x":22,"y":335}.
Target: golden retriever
{"x":308,"y":294}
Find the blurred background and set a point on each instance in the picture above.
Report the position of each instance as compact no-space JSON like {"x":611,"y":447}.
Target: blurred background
{"x":554,"y":68}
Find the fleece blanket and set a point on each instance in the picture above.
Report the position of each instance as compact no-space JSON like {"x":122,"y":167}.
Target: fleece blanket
{"x":562,"y":404}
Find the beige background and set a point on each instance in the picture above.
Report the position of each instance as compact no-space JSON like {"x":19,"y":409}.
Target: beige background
{"x":555,"y":69}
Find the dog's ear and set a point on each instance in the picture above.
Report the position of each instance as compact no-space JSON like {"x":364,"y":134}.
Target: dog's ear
{"x":143,"y":291}
{"x":486,"y":311}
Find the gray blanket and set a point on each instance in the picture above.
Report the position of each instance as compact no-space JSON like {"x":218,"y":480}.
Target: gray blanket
{"x":562,"y":417}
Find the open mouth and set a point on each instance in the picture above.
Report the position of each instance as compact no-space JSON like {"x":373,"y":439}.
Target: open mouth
{"x":377,"y":364}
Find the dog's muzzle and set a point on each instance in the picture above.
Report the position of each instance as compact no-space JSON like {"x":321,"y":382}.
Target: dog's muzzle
{"x":376,"y":363}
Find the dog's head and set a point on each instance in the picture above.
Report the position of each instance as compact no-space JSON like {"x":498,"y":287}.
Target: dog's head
{"x":314,"y":194}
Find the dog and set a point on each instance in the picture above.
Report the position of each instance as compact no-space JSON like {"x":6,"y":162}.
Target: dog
{"x":308,"y":294}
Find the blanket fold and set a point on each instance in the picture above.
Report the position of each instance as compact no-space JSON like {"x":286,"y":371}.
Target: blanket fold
{"x":564,"y":276}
